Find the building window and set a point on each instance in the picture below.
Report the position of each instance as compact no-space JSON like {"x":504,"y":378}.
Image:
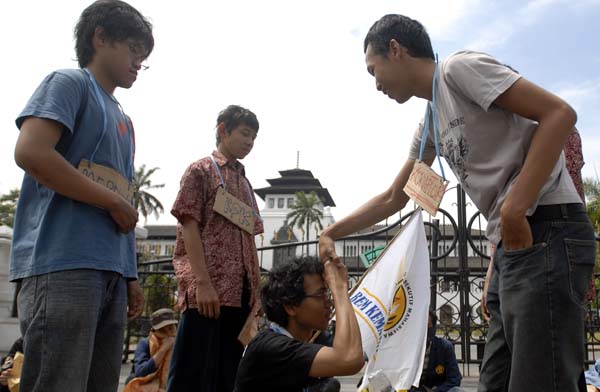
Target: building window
{"x":169,"y":249}
{"x":446,"y":315}
{"x":271,"y":202}
{"x":350,"y":251}
{"x":290,"y":202}
{"x":280,"y":202}
{"x":445,"y":286}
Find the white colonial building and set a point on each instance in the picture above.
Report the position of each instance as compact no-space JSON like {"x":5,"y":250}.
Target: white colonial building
{"x":9,"y":325}
{"x":279,"y":199}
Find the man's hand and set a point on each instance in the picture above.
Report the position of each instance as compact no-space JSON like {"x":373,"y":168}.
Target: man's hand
{"x":135,"y":300}
{"x":167,"y":343}
{"x":4,"y":376}
{"x":124,"y":215}
{"x":516,"y":232}
{"x":335,"y":275}
{"x":486,"y":285}
{"x":326,"y":248}
{"x":208,"y":300}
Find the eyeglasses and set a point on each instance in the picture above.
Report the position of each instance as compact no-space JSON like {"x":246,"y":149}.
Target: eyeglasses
{"x":138,"y":52}
{"x":323,"y":294}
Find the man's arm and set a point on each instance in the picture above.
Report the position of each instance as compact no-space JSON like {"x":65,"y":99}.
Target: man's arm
{"x":346,"y":355}
{"x":373,"y":211}
{"x":143,"y":363}
{"x":555,"y":120}
{"x":206,"y":295}
{"x":36,"y":154}
{"x":453,"y":375}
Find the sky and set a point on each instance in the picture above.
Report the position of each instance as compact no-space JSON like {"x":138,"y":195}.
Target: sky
{"x":300,"y":67}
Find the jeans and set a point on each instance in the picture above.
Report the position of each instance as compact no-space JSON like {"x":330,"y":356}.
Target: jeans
{"x":72,"y":323}
{"x":536,"y":300}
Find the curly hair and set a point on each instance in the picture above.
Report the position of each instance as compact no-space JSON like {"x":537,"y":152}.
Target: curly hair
{"x":120,"y":22}
{"x":408,"y":32}
{"x":285,"y":286}
{"x":233,"y":116}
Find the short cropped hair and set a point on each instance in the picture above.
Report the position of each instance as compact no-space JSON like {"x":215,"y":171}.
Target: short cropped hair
{"x":120,"y":22}
{"x":285,"y":286}
{"x":233,"y":116}
{"x":408,"y":32}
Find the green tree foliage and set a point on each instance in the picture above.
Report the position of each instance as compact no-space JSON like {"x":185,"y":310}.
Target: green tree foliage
{"x":8,"y":206}
{"x":305,"y":211}
{"x":143,"y":201}
{"x":591,"y":187}
{"x":159,"y":292}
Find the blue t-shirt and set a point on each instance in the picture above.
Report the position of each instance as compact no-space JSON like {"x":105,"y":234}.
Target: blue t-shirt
{"x":55,"y":233}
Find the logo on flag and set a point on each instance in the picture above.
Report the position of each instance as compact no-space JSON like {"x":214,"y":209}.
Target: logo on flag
{"x":401,"y":309}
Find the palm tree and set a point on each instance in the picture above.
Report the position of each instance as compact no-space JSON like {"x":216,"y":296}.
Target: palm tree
{"x":591,"y":187}
{"x":143,"y":201}
{"x":8,"y":206}
{"x":305,"y":212}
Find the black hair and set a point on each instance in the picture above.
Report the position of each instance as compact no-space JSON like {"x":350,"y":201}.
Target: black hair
{"x":120,"y":22}
{"x":285,"y":286}
{"x":433,"y":318}
{"x":408,"y":32}
{"x":233,"y":116}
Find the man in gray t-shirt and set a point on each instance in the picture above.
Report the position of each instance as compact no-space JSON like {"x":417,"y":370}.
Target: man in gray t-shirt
{"x":503,"y":137}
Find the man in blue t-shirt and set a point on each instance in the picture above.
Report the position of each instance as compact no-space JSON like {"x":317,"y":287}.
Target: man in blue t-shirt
{"x":73,"y":242}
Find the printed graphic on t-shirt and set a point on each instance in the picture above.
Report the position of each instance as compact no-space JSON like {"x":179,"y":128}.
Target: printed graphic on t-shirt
{"x":455,"y":148}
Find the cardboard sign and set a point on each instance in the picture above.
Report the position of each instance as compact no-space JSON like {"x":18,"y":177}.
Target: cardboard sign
{"x":425,"y":187}
{"x":234,"y":210}
{"x":108,"y":178}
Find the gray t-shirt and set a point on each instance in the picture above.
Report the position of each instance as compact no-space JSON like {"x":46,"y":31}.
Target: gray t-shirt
{"x":486,"y":146}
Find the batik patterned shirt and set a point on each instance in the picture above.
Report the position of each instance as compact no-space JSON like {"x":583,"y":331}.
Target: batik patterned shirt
{"x":229,"y":252}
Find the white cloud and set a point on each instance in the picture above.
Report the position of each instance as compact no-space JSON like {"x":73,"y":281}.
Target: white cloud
{"x":299,"y":66}
{"x":578,"y":95}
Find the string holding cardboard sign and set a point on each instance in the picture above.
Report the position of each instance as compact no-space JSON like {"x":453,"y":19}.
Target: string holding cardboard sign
{"x":106,"y":176}
{"x":232,"y":208}
{"x":424,"y":186}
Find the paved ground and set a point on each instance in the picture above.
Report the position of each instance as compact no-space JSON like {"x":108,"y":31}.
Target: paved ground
{"x":469,"y":383}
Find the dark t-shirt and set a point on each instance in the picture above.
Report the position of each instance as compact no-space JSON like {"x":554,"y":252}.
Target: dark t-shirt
{"x":275,"y":362}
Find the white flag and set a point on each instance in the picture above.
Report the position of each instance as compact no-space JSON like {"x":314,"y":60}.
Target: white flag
{"x":392,"y":304}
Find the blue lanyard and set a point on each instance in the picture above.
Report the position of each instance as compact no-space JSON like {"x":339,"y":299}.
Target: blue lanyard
{"x":246,"y":182}
{"x":100,"y":100}
{"x":431,"y":108}
{"x":280,"y":330}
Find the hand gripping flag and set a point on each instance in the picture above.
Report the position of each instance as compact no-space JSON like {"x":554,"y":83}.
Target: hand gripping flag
{"x":391,"y":303}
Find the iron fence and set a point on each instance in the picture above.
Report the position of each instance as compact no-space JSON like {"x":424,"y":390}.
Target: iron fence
{"x":459,"y":257}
